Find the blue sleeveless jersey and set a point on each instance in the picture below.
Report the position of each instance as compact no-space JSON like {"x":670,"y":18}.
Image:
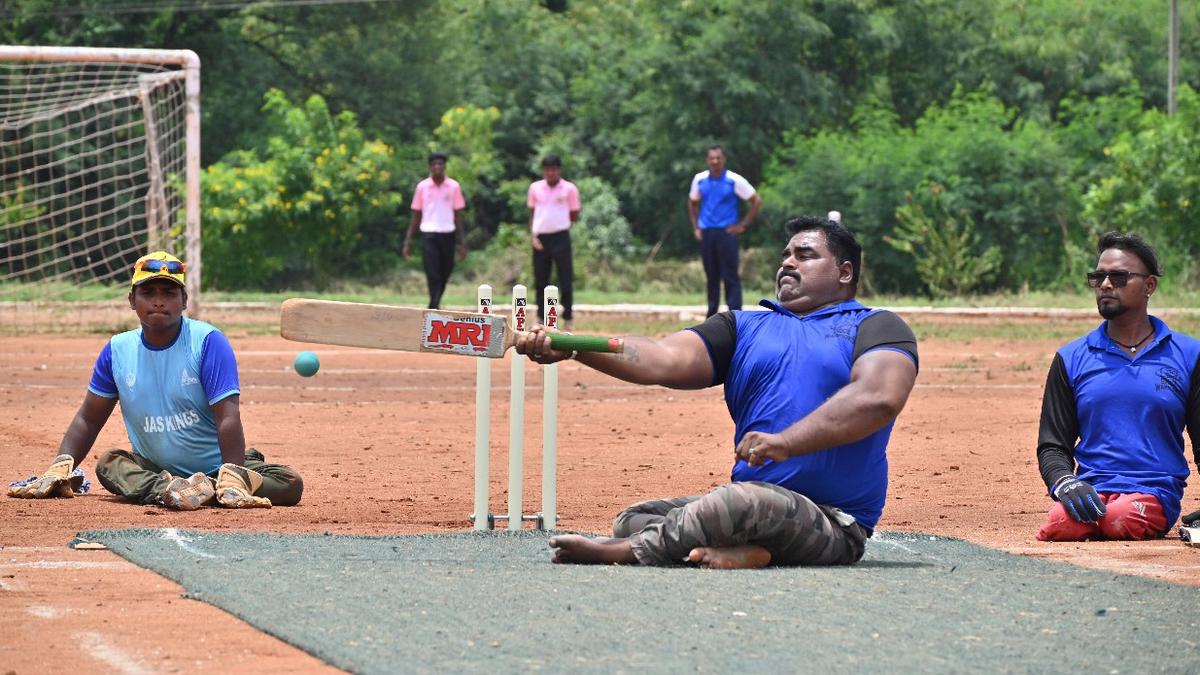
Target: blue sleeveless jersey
{"x":784,"y":367}
{"x":166,"y":394}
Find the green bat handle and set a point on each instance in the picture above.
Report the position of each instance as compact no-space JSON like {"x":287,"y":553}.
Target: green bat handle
{"x":585,"y":343}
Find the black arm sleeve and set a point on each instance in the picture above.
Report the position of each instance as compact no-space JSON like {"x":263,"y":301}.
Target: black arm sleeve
{"x":719,"y":333}
{"x":1059,"y":426}
{"x":885,"y":329}
{"x":1193,"y":414}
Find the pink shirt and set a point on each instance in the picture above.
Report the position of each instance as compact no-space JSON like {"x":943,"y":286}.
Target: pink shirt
{"x":552,"y":206}
{"x":437,"y":204}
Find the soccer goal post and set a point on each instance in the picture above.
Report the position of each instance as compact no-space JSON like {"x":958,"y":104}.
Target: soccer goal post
{"x":99,"y":164}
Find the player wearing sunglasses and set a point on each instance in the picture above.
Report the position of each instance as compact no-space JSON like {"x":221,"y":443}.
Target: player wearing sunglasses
{"x":177,"y":382}
{"x":1117,"y":401}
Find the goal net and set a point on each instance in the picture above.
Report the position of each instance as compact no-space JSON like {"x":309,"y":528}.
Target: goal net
{"x":99,"y":164}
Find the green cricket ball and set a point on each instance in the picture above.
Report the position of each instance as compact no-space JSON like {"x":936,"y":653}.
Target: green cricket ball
{"x":307,"y":364}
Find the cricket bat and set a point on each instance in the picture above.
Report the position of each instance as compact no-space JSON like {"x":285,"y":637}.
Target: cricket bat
{"x":411,"y":329}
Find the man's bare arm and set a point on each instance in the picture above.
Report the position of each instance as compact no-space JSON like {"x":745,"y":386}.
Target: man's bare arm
{"x":679,"y":360}
{"x":86,"y":426}
{"x":408,"y":236}
{"x":755,"y":207}
{"x":230,"y":436}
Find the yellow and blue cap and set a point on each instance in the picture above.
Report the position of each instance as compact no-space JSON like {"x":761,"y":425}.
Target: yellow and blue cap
{"x":158,"y":265}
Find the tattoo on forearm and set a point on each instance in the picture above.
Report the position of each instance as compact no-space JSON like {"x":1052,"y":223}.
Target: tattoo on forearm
{"x":630,"y":353}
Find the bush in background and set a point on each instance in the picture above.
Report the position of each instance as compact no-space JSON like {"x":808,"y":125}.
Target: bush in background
{"x":1007,"y":173}
{"x":290,"y":212}
{"x":945,"y":249}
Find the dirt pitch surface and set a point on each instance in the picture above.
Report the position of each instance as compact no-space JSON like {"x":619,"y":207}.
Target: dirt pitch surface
{"x":385,"y":443}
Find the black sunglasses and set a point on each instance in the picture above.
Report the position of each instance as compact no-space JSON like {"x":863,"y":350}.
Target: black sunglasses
{"x":1118,"y":278}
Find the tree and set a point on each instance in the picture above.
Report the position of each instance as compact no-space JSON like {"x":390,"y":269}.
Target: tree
{"x":1150,"y":184}
{"x":289,"y":213}
{"x":1006,"y":172}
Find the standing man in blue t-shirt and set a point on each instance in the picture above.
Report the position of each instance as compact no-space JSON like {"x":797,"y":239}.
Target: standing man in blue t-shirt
{"x":713,"y":208}
{"x":813,"y":385}
{"x":177,"y":382}
{"x":1110,"y":443}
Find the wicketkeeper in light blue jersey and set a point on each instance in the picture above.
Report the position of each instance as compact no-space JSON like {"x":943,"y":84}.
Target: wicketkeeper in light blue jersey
{"x":177,"y":381}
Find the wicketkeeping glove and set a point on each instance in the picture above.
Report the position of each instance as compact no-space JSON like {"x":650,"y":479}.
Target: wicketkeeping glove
{"x":1080,"y":499}
{"x":56,"y":482}
{"x":1192,"y":519}
{"x":236,"y":486}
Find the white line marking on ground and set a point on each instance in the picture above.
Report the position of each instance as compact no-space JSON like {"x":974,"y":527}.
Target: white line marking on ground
{"x":46,"y":612}
{"x":33,"y":549}
{"x":172,"y":534}
{"x":896,"y":544}
{"x":114,"y":657}
{"x":65,"y":565}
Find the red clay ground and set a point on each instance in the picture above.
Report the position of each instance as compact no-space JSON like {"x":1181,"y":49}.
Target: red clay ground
{"x":385,"y":443}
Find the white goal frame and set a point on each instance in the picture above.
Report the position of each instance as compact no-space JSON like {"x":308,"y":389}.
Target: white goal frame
{"x":189,"y":62}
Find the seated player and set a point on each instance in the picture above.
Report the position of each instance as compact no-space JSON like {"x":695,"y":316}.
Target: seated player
{"x":1110,"y":446}
{"x":813,"y":384}
{"x":177,"y":381}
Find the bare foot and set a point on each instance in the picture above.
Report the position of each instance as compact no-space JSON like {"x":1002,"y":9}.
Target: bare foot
{"x":572,"y":548}
{"x":744,"y":557}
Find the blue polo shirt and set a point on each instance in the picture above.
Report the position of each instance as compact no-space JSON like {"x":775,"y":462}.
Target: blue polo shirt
{"x":167,"y":393}
{"x":1131,"y":412}
{"x":719,"y":198}
{"x":781,"y":367}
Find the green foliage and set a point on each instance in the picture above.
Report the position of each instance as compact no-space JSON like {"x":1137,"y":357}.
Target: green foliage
{"x":31,"y":237}
{"x":603,"y":244}
{"x":1005,"y":172}
{"x":466,"y":134}
{"x":289,"y":213}
{"x":602,"y":237}
{"x":945,"y":251}
{"x":823,"y":104}
{"x":1151,"y":185}
{"x":13,"y":208}
{"x":507,"y":260}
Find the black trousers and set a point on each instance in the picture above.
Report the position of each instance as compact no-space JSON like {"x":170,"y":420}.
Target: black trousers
{"x":556,"y":250}
{"x":437,"y":254}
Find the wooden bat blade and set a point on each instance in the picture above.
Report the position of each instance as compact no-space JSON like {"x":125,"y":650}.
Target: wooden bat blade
{"x":410,"y":329}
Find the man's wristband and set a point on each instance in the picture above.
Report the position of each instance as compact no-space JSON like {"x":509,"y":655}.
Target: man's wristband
{"x":1059,"y":483}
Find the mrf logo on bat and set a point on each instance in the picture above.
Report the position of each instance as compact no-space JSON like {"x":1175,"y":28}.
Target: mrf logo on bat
{"x":469,"y":335}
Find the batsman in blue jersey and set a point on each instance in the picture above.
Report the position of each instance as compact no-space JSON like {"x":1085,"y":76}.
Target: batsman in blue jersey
{"x":1110,"y":443}
{"x":813,"y":384}
{"x":177,"y":382}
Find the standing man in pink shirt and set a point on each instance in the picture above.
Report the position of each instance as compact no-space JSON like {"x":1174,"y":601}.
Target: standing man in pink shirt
{"x":553,"y":207}
{"x":437,"y":207}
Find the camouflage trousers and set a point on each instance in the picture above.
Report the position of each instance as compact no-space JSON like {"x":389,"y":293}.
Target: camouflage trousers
{"x":789,"y":525}
{"x":129,"y":475}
